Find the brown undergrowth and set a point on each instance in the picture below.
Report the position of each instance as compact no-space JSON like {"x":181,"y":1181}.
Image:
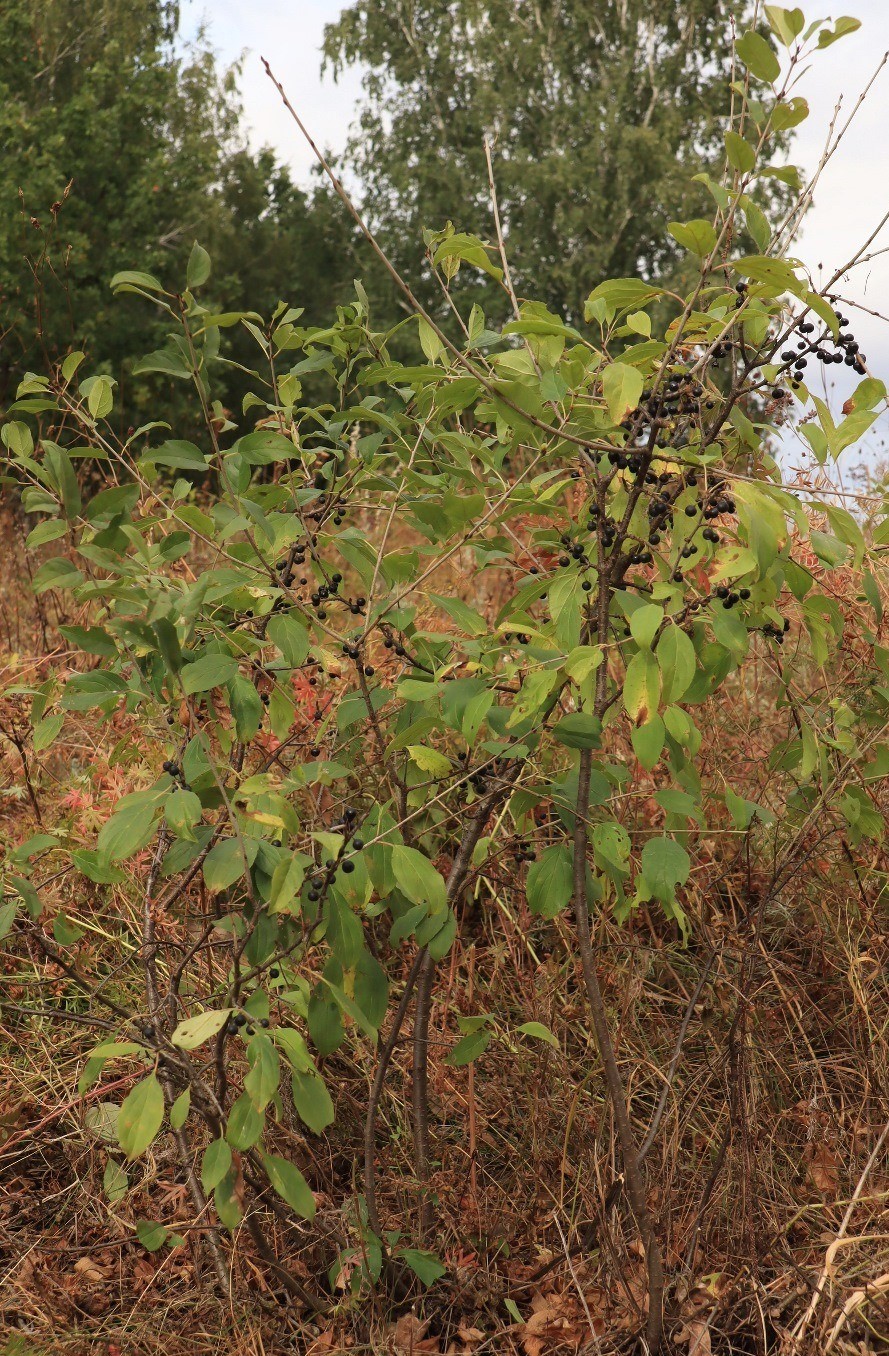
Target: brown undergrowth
{"x":762,"y":1035}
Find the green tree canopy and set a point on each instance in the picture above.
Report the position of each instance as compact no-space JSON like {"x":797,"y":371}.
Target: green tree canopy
{"x":118,"y":145}
{"x":600,"y":114}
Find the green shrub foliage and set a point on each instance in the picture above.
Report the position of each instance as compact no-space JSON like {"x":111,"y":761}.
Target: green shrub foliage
{"x":473,"y":606}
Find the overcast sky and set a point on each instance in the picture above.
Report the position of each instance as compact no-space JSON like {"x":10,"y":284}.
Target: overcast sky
{"x":852,"y":195}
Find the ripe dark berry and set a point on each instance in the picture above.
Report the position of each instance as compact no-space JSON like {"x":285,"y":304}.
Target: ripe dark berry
{"x":691,"y":510}
{"x":744,"y":593}
{"x":263,"y":1021}
{"x":358,"y":843}
{"x":347,"y":867}
{"x":274,"y":973}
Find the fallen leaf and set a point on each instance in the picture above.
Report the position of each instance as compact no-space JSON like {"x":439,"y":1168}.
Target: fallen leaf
{"x":823,"y":1167}
{"x":697,"y":1334}
{"x":88,"y":1269}
{"x":408,"y":1337}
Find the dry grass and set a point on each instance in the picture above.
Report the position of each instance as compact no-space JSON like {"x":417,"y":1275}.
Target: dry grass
{"x":764,"y":1154}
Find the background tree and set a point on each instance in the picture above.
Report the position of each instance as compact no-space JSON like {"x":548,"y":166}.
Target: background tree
{"x":117,"y":147}
{"x":601,"y":113}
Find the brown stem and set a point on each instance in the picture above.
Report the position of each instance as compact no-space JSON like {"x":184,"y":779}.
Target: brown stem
{"x":199,"y":1201}
{"x":289,"y":1282}
{"x":629,"y":1152}
{"x":419,"y":1093}
{"x":29,"y":785}
{"x":420,"y":1089}
{"x":373,"y":1105}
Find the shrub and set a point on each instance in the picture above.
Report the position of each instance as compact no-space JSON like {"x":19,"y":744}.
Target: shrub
{"x":478,"y":614}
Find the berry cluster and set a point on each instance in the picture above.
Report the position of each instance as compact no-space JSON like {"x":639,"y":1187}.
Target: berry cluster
{"x":241,"y":1021}
{"x":827,"y":350}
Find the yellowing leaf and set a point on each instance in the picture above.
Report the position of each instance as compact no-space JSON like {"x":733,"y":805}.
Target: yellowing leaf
{"x":621,"y":386}
{"x":429,"y":760}
{"x":642,"y":687}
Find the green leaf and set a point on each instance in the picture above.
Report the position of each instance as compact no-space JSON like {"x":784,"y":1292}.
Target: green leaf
{"x":128,"y":279}
{"x":621,"y":386}
{"x":195,"y":1030}
{"x":429,"y":340}
{"x":225,"y":1199}
{"x":178,"y":454}
{"x":312,"y":1100}
{"x":644,"y":624}
{"x":550,"y":882}
{"x":7,"y":917}
{"x":786,"y":24}
{"x":640,"y":323}
{"x":57,"y":573}
{"x":216,"y":1163}
{"x":72,"y":362}
{"x":741,"y":155}
{"x":65,"y":932}
{"x":127,"y":832}
{"x":198,"y":270}
{"x":140,"y":1116}
{"x":225,"y":862}
{"x":539,"y":1032}
{"x":183,"y":811}
{"x":115,"y":1181}
{"x":246,"y":707}
{"x":261,"y":1082}
{"x":466,"y":617}
{"x":99,"y":392}
{"x":578,"y":730}
{"x":469,"y":1048}
{"x":648,"y":741}
{"x":840,"y":29}
{"x":697,"y":236}
{"x":418,"y":879}
{"x":287,"y":881}
{"x":245,"y":1123}
{"x":46,"y":731}
{"x":617,"y":294}
{"x":664,"y":865}
{"x":424,"y":1265}
{"x":758,"y":57}
{"x":180,"y":1109}
{"x":152,"y":1236}
{"x":287,"y":632}
{"x":429,"y":760}
{"x":290,"y":1185}
{"x":675,"y":657}
{"x":642,"y":685}
{"x":210,"y":671}
{"x":789,"y":114}
{"x":743,"y":812}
